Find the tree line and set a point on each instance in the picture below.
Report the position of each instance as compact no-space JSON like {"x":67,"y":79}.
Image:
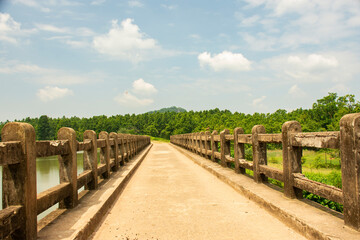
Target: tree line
{"x":324,"y":115}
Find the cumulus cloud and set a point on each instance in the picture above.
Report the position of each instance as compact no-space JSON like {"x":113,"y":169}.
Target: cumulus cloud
{"x":9,"y":28}
{"x":51,"y":93}
{"x":128,"y":99}
{"x":125,"y":41}
{"x":296,"y":92}
{"x":257,"y":102}
{"x":315,"y":67}
{"x":143,"y":88}
{"x":225,"y":61}
{"x":139,"y":87}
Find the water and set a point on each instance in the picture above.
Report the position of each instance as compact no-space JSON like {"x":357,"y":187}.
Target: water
{"x":47,"y":176}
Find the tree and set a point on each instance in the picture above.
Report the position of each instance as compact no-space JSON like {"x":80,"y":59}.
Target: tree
{"x":44,"y":129}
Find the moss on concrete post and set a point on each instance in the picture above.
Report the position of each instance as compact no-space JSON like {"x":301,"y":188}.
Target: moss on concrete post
{"x":68,"y":167}
{"x":350,"y":168}
{"x":225,"y":146}
{"x":259,"y":153}
{"x":19,"y":180}
{"x":90,"y":160}
{"x":105,"y":153}
{"x":214,"y":145}
{"x":114,"y":151}
{"x":291,"y":159}
{"x":239,"y":150}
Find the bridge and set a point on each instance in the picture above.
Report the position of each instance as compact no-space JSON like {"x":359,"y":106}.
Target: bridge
{"x":192,"y":188}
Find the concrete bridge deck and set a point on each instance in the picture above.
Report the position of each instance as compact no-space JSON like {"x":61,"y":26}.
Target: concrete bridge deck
{"x":171,"y":197}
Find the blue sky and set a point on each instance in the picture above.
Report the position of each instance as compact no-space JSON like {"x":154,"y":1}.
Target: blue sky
{"x":85,"y":58}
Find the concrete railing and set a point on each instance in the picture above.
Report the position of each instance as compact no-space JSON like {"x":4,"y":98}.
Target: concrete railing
{"x":292,"y":140}
{"x":18,"y":153}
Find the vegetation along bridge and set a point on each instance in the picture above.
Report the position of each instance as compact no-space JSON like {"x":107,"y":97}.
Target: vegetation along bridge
{"x":171,"y":195}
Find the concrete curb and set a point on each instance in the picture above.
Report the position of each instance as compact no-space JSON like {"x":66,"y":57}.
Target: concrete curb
{"x":301,"y":215}
{"x":80,"y":222}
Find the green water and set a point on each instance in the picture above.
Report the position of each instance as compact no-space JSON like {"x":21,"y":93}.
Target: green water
{"x":47,"y":175}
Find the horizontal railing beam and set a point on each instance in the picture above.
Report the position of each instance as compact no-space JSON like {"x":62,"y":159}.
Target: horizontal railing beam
{"x":316,"y":139}
{"x":51,"y":196}
{"x":52,"y":148}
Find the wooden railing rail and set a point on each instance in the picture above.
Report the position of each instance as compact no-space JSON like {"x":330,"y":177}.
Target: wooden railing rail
{"x":292,"y":140}
{"x":18,"y":153}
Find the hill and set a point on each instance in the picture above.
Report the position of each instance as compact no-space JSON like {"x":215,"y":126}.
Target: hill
{"x":169,"y":109}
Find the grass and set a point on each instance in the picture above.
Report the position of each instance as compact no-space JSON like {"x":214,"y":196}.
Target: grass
{"x":157,"y":139}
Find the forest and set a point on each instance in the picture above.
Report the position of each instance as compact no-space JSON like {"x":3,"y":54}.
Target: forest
{"x":324,"y":115}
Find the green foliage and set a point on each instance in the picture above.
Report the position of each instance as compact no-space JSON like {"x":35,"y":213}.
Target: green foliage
{"x":324,"y":115}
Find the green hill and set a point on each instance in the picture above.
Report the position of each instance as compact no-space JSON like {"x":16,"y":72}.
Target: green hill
{"x":169,"y":109}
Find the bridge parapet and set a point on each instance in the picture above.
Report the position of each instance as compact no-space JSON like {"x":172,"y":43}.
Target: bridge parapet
{"x":18,"y":153}
{"x":347,"y":140}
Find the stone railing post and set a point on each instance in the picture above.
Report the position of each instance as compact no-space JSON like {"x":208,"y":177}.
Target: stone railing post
{"x":90,"y":159}
{"x":105,"y":153}
{"x":127,"y":147}
{"x":350,"y":168}
{"x":225,"y":146}
{"x":291,"y":159}
{"x":201,"y":143}
{"x":207,"y":144}
{"x":19,"y":180}
{"x":193,"y":142}
{"x":259,"y":153}
{"x":68,"y":167}
{"x":114,"y":151}
{"x":214,"y":145}
{"x":122,"y":148}
{"x":239,"y":150}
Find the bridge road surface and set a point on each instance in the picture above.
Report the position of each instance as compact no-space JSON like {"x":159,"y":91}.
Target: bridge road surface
{"x":171,"y":197}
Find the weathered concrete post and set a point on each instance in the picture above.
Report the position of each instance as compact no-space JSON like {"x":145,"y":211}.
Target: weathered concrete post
{"x":350,"y":168}
{"x":114,"y":151}
{"x":121,"y":148}
{"x":193,"y":142}
{"x":19,"y":180}
{"x":207,"y":144}
{"x":201,"y":143}
{"x":127,"y":147}
{"x":68,"y":167}
{"x":239,"y":150}
{"x":291,"y":159}
{"x":90,"y":159}
{"x":225,"y":146}
{"x":259,"y":153}
{"x":214,"y":145}
{"x":105,"y":153}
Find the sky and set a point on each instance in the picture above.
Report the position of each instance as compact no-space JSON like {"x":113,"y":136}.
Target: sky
{"x":101,"y":57}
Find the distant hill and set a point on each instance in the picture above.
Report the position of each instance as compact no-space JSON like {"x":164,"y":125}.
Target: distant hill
{"x":170,"y":109}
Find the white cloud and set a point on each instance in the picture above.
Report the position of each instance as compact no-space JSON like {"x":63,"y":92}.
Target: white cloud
{"x":315,"y":67}
{"x":51,"y":93}
{"x":98,"y":2}
{"x":257,"y":102}
{"x":134,"y":3}
{"x":51,"y":28}
{"x":169,"y":7}
{"x":128,"y":99}
{"x":143,"y":88}
{"x":225,"y":61}
{"x":291,"y":24}
{"x":77,"y":44}
{"x":34,"y":4}
{"x":296,"y":92}
{"x":49,"y":76}
{"x":9,"y":28}
{"x":139,"y":87}
{"x":125,"y":42}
